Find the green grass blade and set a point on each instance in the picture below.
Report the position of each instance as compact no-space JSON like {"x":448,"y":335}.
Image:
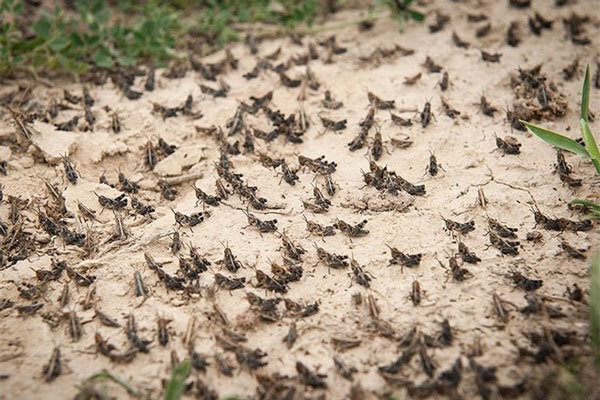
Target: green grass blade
{"x":596,"y":165}
{"x":587,"y":203}
{"x":590,"y":144}
{"x":176,"y":384}
{"x":594,"y":208}
{"x":595,"y":307}
{"x":588,"y":138}
{"x":585,"y":94}
{"x":556,"y":139}
{"x":105,"y":375}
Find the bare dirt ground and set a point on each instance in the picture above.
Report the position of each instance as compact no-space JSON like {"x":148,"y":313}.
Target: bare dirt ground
{"x":523,"y":346}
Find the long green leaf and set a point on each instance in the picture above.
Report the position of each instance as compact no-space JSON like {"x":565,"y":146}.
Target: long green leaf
{"x":585,"y":94}
{"x":590,"y":144}
{"x":596,"y":165}
{"x":593,"y":208}
{"x":176,"y":384}
{"x":556,"y":139}
{"x":587,"y":203}
{"x":588,"y":138}
{"x":105,"y":375}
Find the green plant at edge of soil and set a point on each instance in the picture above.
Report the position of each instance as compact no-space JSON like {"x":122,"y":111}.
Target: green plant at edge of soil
{"x":176,"y":384}
{"x":402,"y":11}
{"x":218,"y":15}
{"x":590,"y":150}
{"x":55,"y":41}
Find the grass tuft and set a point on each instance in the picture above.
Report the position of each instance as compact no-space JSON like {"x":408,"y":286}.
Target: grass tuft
{"x":74,"y":42}
{"x":111,"y":34}
{"x":590,"y":150}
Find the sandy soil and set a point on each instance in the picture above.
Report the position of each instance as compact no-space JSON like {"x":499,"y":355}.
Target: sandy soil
{"x":465,"y":147}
